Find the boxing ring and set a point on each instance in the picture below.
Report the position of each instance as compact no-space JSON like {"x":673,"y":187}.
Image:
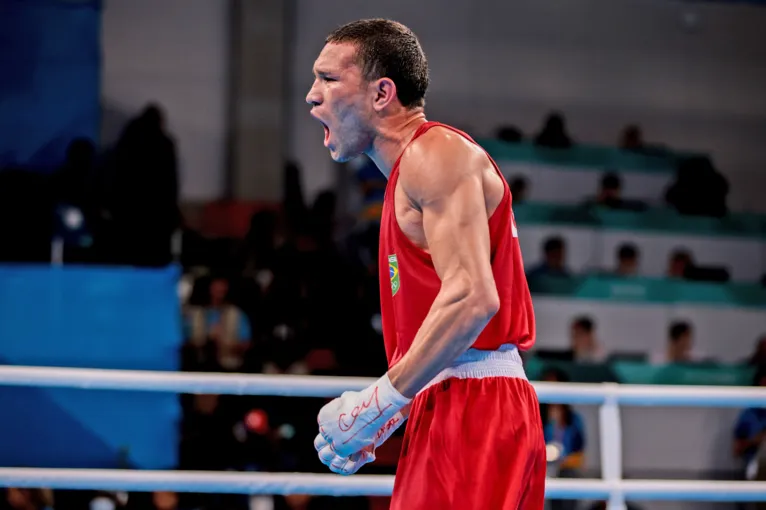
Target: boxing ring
{"x":608,"y":396}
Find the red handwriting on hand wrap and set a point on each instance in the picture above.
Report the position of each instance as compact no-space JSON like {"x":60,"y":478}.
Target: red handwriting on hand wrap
{"x":356,"y":411}
{"x":388,"y":426}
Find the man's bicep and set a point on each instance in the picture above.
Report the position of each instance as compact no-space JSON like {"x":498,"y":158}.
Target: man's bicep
{"x":457,"y":231}
{"x":444,"y":179}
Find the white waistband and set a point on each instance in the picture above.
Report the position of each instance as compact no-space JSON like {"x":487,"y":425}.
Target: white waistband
{"x":476,"y":364}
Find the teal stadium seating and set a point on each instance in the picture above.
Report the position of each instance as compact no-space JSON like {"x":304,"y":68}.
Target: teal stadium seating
{"x":633,"y":315}
{"x":569,"y":176}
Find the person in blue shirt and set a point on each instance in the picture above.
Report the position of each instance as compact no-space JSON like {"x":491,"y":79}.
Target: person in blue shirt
{"x":212,"y":318}
{"x":750,"y":431}
{"x":565,"y":441}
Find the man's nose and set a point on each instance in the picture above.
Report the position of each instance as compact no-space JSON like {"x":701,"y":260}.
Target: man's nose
{"x":313,"y":97}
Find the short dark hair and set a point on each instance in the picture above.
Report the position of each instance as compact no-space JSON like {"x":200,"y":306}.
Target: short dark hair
{"x":679,"y":329}
{"x":681,"y":254}
{"x":553,"y":244}
{"x":388,"y":49}
{"x":518,"y":185}
{"x":584,"y":323}
{"x":610,"y":181}
{"x":627,"y":251}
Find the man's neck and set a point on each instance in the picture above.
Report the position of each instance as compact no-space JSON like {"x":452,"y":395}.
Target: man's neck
{"x":393,"y":137}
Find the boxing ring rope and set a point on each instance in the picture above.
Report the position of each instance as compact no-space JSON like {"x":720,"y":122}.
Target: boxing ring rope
{"x":356,"y":485}
{"x":609,"y":396}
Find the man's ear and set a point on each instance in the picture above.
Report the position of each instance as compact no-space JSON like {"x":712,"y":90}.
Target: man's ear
{"x":384,"y":93}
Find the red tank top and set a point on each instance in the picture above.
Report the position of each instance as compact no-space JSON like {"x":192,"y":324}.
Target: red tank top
{"x":409,"y":283}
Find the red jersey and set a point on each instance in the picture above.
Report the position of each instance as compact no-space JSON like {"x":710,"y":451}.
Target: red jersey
{"x":409,"y":283}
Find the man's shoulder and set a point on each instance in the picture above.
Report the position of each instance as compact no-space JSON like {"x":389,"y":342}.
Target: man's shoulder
{"x":442,"y":150}
{"x":441,"y":142}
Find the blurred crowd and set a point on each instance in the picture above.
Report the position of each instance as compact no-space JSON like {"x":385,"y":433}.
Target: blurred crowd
{"x":297,"y":295}
{"x":117,"y":207}
{"x":291,"y":297}
{"x":699,"y":188}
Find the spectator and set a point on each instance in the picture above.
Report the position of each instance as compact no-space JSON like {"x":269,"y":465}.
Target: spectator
{"x":29,"y":499}
{"x":627,"y":260}
{"x":749,"y":433}
{"x":565,"y":439}
{"x":554,"y":133}
{"x":610,"y":195}
{"x":682,"y":266}
{"x":610,"y":192}
{"x":165,"y":500}
{"x":554,"y":256}
{"x":680,"y":345}
{"x":215,"y":319}
{"x":518,"y":189}
{"x":680,"y":262}
{"x":510,"y":134}
{"x":144,"y":205}
{"x":699,"y":189}
{"x":585,"y":347}
{"x":631,"y":138}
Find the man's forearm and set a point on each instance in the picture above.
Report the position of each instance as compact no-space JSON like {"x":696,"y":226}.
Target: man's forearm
{"x":455,"y":320}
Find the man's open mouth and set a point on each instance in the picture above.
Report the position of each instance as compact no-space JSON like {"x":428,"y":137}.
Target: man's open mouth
{"x":326,"y":129}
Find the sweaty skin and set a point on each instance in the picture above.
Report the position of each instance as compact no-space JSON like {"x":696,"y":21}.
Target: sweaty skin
{"x":446,"y":192}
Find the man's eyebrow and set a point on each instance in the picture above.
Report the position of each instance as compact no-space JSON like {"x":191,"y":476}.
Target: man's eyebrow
{"x":325,"y":72}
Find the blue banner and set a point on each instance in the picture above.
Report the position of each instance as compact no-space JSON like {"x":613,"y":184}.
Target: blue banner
{"x":50,"y":64}
{"x":96,"y":318}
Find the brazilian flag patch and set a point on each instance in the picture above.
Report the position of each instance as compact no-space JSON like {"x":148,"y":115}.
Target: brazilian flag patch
{"x":393,"y":274}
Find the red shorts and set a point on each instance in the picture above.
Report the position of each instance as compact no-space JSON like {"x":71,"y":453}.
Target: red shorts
{"x":473,"y":444}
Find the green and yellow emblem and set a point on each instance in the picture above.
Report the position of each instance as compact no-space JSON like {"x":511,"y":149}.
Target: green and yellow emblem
{"x":393,"y":274}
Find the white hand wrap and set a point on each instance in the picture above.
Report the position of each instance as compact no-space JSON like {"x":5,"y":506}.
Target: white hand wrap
{"x":351,"y":464}
{"x":357,"y":422}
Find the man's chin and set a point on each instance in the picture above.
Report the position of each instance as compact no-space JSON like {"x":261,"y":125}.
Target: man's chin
{"x":340,"y":157}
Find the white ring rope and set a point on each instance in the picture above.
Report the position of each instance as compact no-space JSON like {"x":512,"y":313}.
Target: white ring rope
{"x":357,"y":485}
{"x":607,"y":394}
{"x":199,"y":481}
{"x":181,"y":382}
{"x":322,"y":386}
